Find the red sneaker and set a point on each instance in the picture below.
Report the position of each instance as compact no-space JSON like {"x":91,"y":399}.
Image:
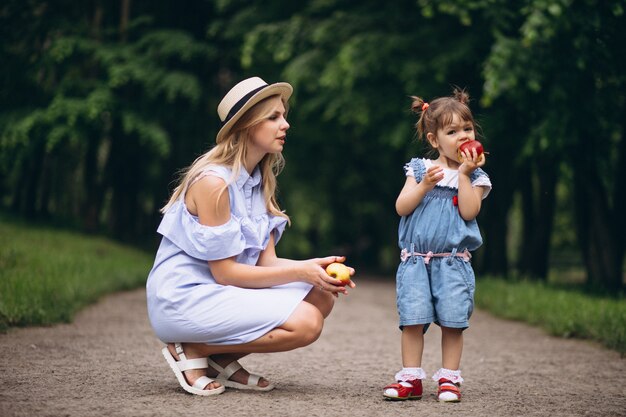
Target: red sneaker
{"x":404,"y":390}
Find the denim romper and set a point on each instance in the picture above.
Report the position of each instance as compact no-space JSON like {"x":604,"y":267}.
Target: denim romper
{"x":437,"y":288}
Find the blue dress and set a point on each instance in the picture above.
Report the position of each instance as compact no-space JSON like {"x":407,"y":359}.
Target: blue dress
{"x":437,"y":289}
{"x":185,"y":304}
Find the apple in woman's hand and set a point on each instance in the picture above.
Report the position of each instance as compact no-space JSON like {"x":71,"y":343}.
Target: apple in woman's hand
{"x":468,"y":146}
{"x":339,"y":271}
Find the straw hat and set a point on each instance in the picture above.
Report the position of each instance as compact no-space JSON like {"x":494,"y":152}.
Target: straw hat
{"x":243,"y":96}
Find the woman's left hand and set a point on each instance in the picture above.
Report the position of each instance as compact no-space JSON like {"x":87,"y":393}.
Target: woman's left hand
{"x":329,"y":283}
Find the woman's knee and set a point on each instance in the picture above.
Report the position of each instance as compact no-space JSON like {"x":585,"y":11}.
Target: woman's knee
{"x":307,"y":323}
{"x":323,"y":300}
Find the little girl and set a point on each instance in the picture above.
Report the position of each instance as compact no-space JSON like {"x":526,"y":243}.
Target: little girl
{"x":435,"y":281}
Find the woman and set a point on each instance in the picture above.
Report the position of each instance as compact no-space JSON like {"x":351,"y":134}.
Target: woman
{"x":217,"y":290}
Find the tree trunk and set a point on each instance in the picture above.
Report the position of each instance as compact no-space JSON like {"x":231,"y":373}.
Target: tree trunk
{"x":494,"y":257}
{"x":94,"y":189}
{"x":124,"y":16}
{"x":47,"y":176}
{"x":544,"y":217}
{"x":528,"y":220}
{"x":538,"y":206}
{"x":28,"y":201}
{"x":602,"y":250}
{"x":599,"y":210}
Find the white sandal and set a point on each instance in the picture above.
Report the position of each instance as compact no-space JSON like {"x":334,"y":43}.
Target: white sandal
{"x":234,"y":366}
{"x":184,"y":364}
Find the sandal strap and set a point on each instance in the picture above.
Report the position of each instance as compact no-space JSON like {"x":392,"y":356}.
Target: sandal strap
{"x":445,"y":385}
{"x":202,"y":382}
{"x":450,"y":388}
{"x":198,"y":363}
{"x":253,"y":379}
{"x":185,"y":364}
{"x":179,"y":351}
{"x":225,"y":373}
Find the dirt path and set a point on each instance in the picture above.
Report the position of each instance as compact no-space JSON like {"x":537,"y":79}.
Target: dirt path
{"x":108,"y":363}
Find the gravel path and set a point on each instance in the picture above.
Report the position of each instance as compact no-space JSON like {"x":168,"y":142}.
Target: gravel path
{"x":108,"y":363}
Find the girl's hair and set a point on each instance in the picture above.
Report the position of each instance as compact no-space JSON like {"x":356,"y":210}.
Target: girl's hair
{"x":440,"y":112}
{"x":232,"y":151}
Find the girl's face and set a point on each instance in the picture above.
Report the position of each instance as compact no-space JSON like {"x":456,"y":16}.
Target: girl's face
{"x":269,"y":135}
{"x":449,"y":138}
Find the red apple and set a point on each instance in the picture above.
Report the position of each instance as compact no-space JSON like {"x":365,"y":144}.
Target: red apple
{"x":339,"y":271}
{"x":468,"y":146}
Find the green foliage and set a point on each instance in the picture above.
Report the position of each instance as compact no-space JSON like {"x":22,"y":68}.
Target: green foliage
{"x":353,"y":68}
{"x":88,"y":102}
{"x":100,"y":99}
{"x":47,"y":275}
{"x":562,"y":312}
{"x":559,"y":64}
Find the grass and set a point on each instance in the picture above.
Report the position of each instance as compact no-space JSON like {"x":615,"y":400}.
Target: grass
{"x":562,"y":312}
{"x":47,"y":275}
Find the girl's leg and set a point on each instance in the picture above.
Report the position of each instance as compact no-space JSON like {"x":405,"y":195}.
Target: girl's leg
{"x":451,"y":347}
{"x":409,"y":378}
{"x":449,"y":376}
{"x":412,"y":346}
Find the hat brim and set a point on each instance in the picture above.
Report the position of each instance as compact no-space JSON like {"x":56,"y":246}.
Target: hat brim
{"x":284,"y":90}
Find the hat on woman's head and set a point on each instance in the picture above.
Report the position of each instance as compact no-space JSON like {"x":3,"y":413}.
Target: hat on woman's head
{"x":243,"y":96}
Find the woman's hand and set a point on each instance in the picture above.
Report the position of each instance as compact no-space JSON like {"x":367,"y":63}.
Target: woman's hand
{"x":314,"y":273}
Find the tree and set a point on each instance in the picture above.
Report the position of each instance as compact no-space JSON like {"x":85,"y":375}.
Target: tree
{"x":109,"y":96}
{"x":563,"y":68}
{"x":353,"y":67}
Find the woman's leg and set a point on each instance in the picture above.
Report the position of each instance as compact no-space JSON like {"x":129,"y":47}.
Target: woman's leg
{"x":302,"y":328}
{"x":322,"y":300}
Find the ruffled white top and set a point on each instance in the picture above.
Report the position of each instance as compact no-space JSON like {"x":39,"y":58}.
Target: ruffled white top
{"x":185,"y":304}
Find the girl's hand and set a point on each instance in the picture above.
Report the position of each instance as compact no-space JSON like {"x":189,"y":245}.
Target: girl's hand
{"x":471,"y":161}
{"x":318,"y":277}
{"x":434,"y":174}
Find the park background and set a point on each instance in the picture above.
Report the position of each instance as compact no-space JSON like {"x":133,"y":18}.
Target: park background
{"x":103,"y":102}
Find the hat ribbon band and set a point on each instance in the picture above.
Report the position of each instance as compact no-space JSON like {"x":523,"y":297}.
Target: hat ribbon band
{"x":239,"y":104}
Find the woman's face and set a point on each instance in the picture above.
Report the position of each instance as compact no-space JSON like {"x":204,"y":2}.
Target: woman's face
{"x":269,"y":135}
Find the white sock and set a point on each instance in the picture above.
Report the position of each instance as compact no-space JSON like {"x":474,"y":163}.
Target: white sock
{"x":410,"y":374}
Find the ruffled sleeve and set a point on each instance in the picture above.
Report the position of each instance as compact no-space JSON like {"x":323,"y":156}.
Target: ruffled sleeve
{"x":415,"y":168}
{"x":199,"y":241}
{"x":481,"y":179}
{"x":277,"y":226}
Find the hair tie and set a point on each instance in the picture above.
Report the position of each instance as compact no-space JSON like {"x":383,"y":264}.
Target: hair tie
{"x":425,"y":106}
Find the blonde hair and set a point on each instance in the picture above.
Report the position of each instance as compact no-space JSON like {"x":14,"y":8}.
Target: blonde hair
{"x":440,"y":112}
{"x":232,"y":152}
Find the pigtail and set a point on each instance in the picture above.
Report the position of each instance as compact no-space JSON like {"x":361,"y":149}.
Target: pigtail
{"x":416,"y":105}
{"x":419,"y":106}
{"x":461,"y":95}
